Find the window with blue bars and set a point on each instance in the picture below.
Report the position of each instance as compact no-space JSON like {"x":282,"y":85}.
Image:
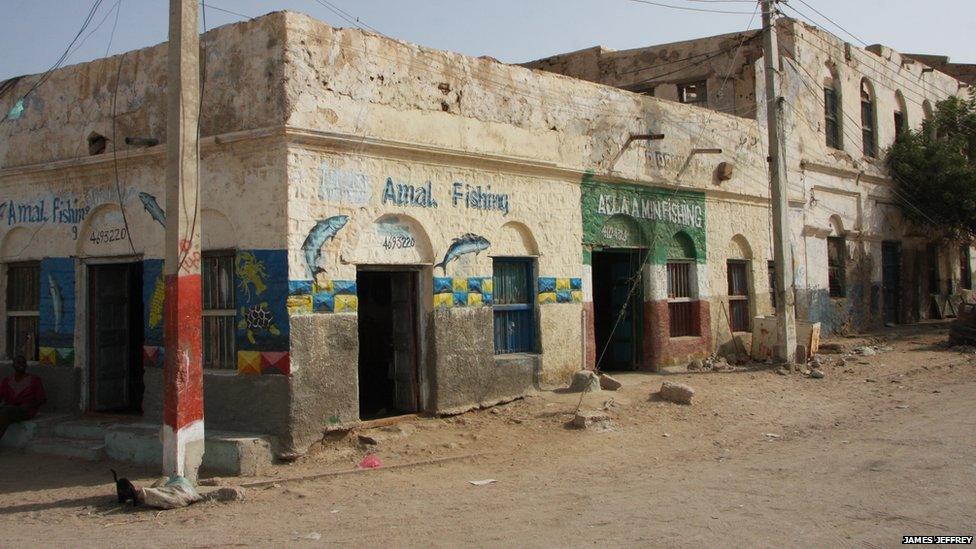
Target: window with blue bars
{"x":514,"y":306}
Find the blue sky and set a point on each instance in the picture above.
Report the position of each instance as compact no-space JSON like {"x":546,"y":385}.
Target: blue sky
{"x":34,"y":33}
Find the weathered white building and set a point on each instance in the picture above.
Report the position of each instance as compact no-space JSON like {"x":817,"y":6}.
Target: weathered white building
{"x":390,"y":229}
{"x":858,"y":264}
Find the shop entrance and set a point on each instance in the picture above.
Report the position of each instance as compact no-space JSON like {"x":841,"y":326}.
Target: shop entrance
{"x":618,"y":315}
{"x":388,"y":348}
{"x":115,"y":337}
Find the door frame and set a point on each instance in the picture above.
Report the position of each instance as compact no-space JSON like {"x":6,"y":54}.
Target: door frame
{"x":642,"y":358}
{"x":897,"y":247}
{"x":417,"y":273}
{"x":83,"y":335}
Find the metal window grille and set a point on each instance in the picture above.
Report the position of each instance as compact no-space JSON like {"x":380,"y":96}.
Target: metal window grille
{"x":23,"y":306}
{"x":514,"y":306}
{"x":836,"y":256}
{"x":831,"y":122}
{"x":218,"y":310}
{"x":867,"y":123}
{"x":694,"y":93}
{"x":679,"y":299}
{"x":738,"y":295}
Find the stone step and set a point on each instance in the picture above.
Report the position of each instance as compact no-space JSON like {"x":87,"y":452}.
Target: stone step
{"x":228,"y":453}
{"x":86,"y":449}
{"x":82,"y":429}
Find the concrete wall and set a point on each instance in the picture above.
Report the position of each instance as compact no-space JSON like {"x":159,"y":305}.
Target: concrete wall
{"x":464,"y":371}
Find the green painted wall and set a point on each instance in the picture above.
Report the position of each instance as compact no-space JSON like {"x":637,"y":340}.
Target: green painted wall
{"x":629,"y":216}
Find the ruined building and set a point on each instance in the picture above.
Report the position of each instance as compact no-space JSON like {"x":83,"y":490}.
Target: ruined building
{"x":391,"y":229}
{"x":858,"y":264}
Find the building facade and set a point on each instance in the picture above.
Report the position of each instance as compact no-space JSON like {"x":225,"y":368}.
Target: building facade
{"x":391,"y":229}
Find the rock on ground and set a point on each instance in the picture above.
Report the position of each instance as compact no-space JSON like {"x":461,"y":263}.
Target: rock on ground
{"x":592,"y":419}
{"x":678,"y":393}
{"x":226,"y":493}
{"x":608,"y":383}
{"x":585,"y":380}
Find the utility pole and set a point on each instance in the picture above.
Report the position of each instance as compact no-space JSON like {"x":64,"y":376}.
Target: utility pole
{"x":182,"y":430}
{"x":782,"y":250}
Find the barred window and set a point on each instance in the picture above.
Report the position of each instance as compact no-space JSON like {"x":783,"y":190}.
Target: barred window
{"x":23,"y":309}
{"x":771,"y":270}
{"x":218,"y":310}
{"x":737,"y":272}
{"x":514,"y":306}
{"x":679,"y":299}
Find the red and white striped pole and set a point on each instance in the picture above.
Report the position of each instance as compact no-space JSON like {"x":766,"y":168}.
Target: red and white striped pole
{"x":182,"y":431}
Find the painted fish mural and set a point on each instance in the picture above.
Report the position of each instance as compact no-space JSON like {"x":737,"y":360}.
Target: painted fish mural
{"x":57,"y":302}
{"x":320,"y":234}
{"x":466,"y":244}
{"x":149,"y":202}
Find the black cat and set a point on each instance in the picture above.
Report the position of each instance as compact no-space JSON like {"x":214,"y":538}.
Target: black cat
{"x":124,"y":489}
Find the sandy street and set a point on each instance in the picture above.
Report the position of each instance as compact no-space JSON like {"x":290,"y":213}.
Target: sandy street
{"x":882,"y":447}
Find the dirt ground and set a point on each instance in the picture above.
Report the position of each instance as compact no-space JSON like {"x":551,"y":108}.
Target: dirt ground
{"x":882,"y":447}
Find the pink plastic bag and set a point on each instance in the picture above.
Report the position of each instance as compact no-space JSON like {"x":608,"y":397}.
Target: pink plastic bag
{"x":370,"y":462}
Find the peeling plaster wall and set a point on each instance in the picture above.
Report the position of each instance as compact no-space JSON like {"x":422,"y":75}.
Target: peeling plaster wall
{"x":243,"y":90}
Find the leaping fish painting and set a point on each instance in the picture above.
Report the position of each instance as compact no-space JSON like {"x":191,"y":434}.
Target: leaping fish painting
{"x":322,"y":232}
{"x":465,"y":244}
{"x":57,"y":302}
{"x":151,"y":206}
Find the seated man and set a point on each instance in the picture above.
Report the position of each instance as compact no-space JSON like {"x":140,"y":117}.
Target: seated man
{"x":21,"y":395}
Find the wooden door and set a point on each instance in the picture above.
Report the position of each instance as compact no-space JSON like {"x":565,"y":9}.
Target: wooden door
{"x":403,"y":312}
{"x":110,"y":337}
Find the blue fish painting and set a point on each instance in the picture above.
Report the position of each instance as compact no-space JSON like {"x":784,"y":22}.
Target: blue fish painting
{"x":157,"y":213}
{"x":57,"y":302}
{"x":466,"y":244}
{"x":321,"y":233}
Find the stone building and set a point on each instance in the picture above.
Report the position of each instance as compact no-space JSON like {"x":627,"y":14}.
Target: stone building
{"x":858,"y":264}
{"x":391,"y":229}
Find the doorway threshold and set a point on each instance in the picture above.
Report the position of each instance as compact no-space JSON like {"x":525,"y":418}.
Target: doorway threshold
{"x":387,"y":421}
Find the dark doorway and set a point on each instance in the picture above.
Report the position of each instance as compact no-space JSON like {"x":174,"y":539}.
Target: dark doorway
{"x":115,"y":337}
{"x":891,"y":280}
{"x":388,"y":358}
{"x":618,"y":315}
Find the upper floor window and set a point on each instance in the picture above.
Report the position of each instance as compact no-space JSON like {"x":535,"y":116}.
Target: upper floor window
{"x":901,"y":121}
{"x":832,"y":112}
{"x":23,"y":309}
{"x":217,"y":271}
{"x":693,"y":93}
{"x":868,"y":133}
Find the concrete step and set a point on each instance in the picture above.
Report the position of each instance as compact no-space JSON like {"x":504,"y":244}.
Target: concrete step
{"x":86,"y":449}
{"x":229,"y":453}
{"x":83,"y":429}
{"x":19,"y":435}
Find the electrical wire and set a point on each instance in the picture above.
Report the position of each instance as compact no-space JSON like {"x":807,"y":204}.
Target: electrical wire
{"x":115,"y":157}
{"x":687,"y":8}
{"x":47,"y":74}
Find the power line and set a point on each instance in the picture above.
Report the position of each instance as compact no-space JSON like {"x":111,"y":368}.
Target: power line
{"x":686,"y":8}
{"x":44,"y":77}
{"x":818,"y":12}
{"x":354,"y":20}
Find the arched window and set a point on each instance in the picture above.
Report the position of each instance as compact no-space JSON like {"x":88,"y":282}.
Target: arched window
{"x":681,"y":285}
{"x":832,"y":109}
{"x":868,"y":134}
{"x":901,"y":114}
